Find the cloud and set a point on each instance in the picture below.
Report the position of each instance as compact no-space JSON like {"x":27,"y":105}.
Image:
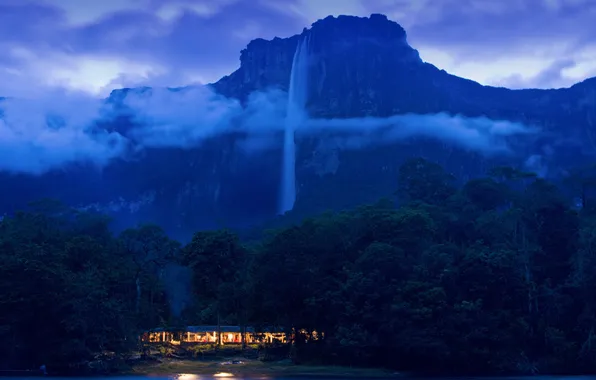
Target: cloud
{"x":185,"y":117}
{"x":178,"y":287}
{"x":49,"y":132}
{"x":62,"y":128}
{"x":188,"y":116}
{"x":171,"y":40}
{"x":490,"y":40}
{"x":551,"y":77}
{"x":479,"y":134}
{"x":98,"y":47}
{"x":483,"y":40}
{"x":181,"y":118}
{"x":54,"y":129}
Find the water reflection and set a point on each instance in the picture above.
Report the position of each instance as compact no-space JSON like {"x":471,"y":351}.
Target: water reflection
{"x":231,"y":376}
{"x":188,"y":376}
{"x":192,"y":376}
{"x":223,"y":374}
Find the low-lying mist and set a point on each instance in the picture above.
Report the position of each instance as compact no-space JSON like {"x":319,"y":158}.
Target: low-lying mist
{"x":46,"y":132}
{"x":177,"y":280}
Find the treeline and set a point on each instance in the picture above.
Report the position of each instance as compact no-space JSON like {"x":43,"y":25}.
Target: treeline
{"x":72,"y":294}
{"x":495,"y":276}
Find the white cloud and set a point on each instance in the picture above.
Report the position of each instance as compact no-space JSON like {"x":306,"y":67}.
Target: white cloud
{"x":95,"y":75}
{"x":59,"y":128}
{"x":53,"y":129}
{"x":585,"y":64}
{"x":78,"y":13}
{"x":524,"y":67}
{"x":110,"y":52}
{"x":312,"y":10}
{"x":172,"y":9}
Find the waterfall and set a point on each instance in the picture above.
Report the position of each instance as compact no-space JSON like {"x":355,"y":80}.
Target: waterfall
{"x":296,"y":114}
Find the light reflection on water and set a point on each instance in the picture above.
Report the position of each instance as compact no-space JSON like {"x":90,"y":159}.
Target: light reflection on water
{"x":192,"y":376}
{"x":218,"y":375}
{"x":188,"y":376}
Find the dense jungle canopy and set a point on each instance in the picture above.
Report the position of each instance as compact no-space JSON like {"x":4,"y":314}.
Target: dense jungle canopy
{"x":494,"y":275}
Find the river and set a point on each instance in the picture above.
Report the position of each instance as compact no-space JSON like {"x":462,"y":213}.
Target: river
{"x":224,"y":375}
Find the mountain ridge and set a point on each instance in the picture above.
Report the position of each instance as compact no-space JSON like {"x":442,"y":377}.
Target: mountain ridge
{"x":359,"y":67}
{"x":266,"y":64}
{"x":378,"y":19}
{"x":291,"y":42}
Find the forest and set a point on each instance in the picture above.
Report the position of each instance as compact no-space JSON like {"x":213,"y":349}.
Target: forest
{"x":492,"y":275}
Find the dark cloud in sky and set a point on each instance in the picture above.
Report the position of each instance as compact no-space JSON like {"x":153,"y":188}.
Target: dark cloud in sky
{"x":54,"y":47}
{"x":113,"y":43}
{"x":503,"y":26}
{"x":551,"y":77}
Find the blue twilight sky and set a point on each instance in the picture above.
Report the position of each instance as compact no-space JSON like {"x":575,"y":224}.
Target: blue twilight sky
{"x":98,"y":45}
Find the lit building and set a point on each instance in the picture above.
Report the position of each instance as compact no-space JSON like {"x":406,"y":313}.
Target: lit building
{"x":208,"y":334}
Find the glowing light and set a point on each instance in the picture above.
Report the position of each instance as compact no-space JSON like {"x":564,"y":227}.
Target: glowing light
{"x":223,"y":374}
{"x":188,"y":376}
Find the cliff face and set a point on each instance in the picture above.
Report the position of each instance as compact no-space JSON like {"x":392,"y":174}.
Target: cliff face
{"x":359,"y":67}
{"x":342,"y":48}
{"x":365,"y":67}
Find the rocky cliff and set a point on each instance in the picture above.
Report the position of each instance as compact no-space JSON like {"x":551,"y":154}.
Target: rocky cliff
{"x":365,"y":67}
{"x":359,"y":67}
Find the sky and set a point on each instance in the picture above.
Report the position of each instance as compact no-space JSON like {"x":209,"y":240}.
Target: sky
{"x":96,"y":46}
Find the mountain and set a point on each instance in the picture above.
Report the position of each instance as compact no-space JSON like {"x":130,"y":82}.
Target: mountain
{"x":360,"y":67}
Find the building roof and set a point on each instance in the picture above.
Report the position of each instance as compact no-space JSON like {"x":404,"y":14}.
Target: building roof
{"x":213,"y":328}
{"x":209,"y":328}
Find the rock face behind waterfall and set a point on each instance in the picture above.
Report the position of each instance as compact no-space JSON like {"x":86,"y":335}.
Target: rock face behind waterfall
{"x":365,"y":67}
{"x":360,"y":67}
{"x":359,"y":64}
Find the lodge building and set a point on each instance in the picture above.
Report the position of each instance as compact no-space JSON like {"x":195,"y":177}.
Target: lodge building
{"x":209,"y":334}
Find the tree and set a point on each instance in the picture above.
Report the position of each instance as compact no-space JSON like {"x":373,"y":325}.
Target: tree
{"x":149,"y":249}
{"x":424,"y":181}
{"x":64,"y":290}
{"x":215,"y":257}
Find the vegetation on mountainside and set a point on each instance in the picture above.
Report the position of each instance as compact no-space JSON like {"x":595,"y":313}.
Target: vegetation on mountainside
{"x":494,"y":276}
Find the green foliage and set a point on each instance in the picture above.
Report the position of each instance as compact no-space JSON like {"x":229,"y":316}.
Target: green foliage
{"x":495,"y":276}
{"x":421,"y":180}
{"x":68,"y":289}
{"x":485,"y":278}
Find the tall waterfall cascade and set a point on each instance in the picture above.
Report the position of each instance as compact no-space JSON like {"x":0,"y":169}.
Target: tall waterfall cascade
{"x":296,"y":115}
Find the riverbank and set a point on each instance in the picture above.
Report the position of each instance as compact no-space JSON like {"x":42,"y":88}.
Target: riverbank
{"x":254,"y":368}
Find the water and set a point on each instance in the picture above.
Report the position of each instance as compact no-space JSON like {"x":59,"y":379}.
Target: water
{"x":226,"y":376}
{"x":296,"y":114}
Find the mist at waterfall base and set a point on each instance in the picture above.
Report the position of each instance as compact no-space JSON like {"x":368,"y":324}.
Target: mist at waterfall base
{"x":60,"y":129}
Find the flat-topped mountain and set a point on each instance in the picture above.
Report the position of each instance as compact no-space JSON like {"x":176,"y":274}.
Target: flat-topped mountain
{"x":365,"y":66}
{"x":358,"y":67}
